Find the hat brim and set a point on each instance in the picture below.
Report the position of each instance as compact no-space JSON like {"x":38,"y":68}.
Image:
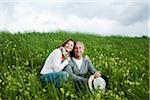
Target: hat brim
{"x":93,"y":81}
{"x":90,"y":83}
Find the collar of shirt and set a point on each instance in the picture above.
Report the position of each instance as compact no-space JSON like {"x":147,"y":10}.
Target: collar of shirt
{"x":78,"y":62}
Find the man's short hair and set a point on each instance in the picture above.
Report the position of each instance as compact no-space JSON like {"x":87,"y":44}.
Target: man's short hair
{"x":81,"y":43}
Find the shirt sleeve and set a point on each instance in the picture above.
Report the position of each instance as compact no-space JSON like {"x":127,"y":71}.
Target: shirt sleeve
{"x":68,"y":69}
{"x":54,"y":61}
{"x":57,"y":63}
{"x":91,"y":69}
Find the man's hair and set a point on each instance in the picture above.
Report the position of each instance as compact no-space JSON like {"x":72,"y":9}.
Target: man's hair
{"x":80,"y":43}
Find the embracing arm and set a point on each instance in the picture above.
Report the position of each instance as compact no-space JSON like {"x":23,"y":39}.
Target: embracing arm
{"x":54,"y":61}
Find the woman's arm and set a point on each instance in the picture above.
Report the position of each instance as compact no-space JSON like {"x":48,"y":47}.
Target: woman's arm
{"x":56,"y":62}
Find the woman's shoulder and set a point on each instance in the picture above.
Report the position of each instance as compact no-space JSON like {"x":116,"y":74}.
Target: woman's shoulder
{"x":57,"y":50}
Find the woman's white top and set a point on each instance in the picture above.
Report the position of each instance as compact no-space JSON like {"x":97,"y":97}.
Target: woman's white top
{"x":54,"y":62}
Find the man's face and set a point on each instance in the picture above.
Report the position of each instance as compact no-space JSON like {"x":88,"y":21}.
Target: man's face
{"x":79,"y":50}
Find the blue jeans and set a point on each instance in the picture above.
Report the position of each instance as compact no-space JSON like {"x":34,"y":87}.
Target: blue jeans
{"x":57,"y":78}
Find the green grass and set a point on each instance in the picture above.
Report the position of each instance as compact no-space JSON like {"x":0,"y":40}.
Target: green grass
{"x":125,"y":60}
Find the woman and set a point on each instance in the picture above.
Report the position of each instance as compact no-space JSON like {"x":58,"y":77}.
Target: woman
{"x":55,"y":63}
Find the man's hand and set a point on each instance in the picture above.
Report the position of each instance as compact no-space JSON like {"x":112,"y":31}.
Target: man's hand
{"x":97,"y":74}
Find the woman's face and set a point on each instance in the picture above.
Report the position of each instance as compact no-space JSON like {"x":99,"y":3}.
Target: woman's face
{"x":69,"y":46}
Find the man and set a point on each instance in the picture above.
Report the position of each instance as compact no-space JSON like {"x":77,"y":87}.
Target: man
{"x":80,"y":68}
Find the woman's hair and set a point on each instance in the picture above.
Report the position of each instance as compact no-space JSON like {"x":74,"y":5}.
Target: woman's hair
{"x":71,"y":53}
{"x":67,"y":42}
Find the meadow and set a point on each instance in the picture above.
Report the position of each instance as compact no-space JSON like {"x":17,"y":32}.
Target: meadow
{"x":125,"y":61}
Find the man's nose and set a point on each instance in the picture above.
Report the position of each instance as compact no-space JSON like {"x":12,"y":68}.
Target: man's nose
{"x":77,"y":49}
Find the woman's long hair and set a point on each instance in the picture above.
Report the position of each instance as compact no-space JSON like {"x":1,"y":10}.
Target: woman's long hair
{"x":71,"y":53}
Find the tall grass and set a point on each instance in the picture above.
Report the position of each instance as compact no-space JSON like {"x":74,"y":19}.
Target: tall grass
{"x":124,"y":60}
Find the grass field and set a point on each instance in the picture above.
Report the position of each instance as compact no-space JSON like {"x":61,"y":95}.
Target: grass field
{"x":125,"y":60}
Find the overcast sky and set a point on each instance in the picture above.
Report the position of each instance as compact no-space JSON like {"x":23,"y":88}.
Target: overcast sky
{"x":104,"y":17}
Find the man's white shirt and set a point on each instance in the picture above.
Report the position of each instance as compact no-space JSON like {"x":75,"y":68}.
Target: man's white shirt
{"x":78,"y":62}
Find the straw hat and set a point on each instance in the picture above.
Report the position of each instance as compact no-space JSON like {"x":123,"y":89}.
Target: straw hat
{"x":96,"y":83}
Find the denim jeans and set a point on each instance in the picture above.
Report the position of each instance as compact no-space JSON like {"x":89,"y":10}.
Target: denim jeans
{"x":57,"y":78}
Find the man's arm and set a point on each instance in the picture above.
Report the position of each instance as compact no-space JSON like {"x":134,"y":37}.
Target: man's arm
{"x":91,"y":69}
{"x":68,"y":69}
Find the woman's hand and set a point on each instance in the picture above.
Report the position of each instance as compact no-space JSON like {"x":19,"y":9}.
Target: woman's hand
{"x":68,"y":56}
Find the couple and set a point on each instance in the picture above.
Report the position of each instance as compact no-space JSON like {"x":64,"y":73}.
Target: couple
{"x":66,"y":61}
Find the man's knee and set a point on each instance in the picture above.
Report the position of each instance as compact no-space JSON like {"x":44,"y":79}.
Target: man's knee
{"x":64,"y":75}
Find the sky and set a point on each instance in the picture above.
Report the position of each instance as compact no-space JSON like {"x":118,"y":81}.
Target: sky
{"x":104,"y":17}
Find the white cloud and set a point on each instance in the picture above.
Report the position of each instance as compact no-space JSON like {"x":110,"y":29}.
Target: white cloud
{"x":106,"y":18}
{"x":96,"y":25}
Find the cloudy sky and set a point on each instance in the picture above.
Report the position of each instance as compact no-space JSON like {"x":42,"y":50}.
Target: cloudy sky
{"x":104,"y":17}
